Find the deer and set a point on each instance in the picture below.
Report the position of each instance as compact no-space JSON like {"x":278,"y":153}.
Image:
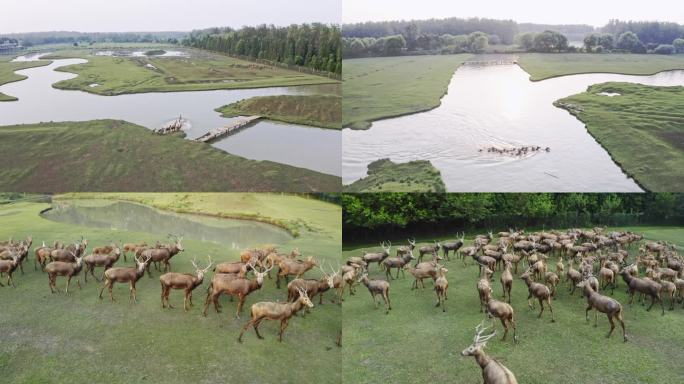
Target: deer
{"x":8,"y":267}
{"x":163,"y":254}
{"x":105,"y":250}
{"x":349,"y":275}
{"x":502,"y":311}
{"x":42,"y":255}
{"x":69,"y":253}
{"x":539,"y":291}
{"x":377,"y":257}
{"x":106,"y":260}
{"x":648,"y":287}
{"x":493,"y":372}
{"x":129,"y":275}
{"x":260,"y":254}
{"x":483,"y":287}
{"x":238,"y":287}
{"x":431,"y":249}
{"x":274,"y":258}
{"x":132,"y":247}
{"x":377,"y":287}
{"x":66,"y":269}
{"x":603,"y":304}
{"x":267,"y":310}
{"x":21,"y":250}
{"x":573,"y":276}
{"x":236,"y":267}
{"x":294,"y":267}
{"x":184,"y":281}
{"x":313,"y":287}
{"x":420,"y":274}
{"x":552,"y":280}
{"x":441,"y":288}
{"x":397,"y":262}
{"x":507,"y":280}
{"x":606,"y":276}
{"x":452,"y":245}
{"x":404,"y":249}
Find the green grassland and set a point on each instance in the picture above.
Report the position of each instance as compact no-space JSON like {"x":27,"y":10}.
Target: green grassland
{"x":78,"y":339}
{"x":384,"y":175}
{"x":112,"y":155}
{"x":7,"y":74}
{"x":200,"y":71}
{"x":417,"y":342}
{"x":642,"y":129}
{"x":383,"y":87}
{"x":542,"y":66}
{"x":323,"y":111}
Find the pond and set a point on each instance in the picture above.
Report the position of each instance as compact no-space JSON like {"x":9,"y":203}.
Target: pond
{"x":307,"y":147}
{"x":498,"y":106}
{"x":126,"y":216}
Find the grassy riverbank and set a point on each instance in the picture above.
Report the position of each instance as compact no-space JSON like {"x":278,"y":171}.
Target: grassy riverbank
{"x":417,"y":342}
{"x":542,"y":66}
{"x":199,"y":71}
{"x":642,"y":129}
{"x":386,"y":176}
{"x":74,"y":334}
{"x":323,"y":111}
{"x":112,"y":155}
{"x":383,"y":87}
{"x":7,"y":74}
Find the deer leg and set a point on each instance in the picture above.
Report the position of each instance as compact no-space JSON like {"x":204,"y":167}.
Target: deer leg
{"x":596,"y":319}
{"x":133,"y":292}
{"x":206,"y":304}
{"x":503,"y":322}
{"x":149,"y":272}
{"x":612,"y":325}
{"x":660,"y":299}
{"x":109,"y":287}
{"x":530,"y":304}
{"x":242,"y":332}
{"x":283,"y":325}
{"x":541,"y":303}
{"x":241,"y":300}
{"x":622,"y":324}
{"x":586,"y":312}
{"x":67,"y":284}
{"x":653,"y":299}
{"x":78,"y":282}
{"x":49,"y":284}
{"x":553,"y":318}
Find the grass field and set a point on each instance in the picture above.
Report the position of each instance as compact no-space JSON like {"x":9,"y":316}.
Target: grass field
{"x":7,"y":74}
{"x":383,"y":87}
{"x":417,"y":342}
{"x":323,"y":111}
{"x":202,"y":70}
{"x":642,"y":129}
{"x":542,"y":66}
{"x":384,"y":175}
{"x":79,"y":339}
{"x":111,"y":155}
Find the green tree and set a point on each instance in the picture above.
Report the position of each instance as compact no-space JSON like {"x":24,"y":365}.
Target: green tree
{"x":629,"y":41}
{"x":478,"y":42}
{"x":679,"y":45}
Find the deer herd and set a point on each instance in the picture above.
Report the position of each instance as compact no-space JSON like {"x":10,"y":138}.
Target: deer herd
{"x":589,"y":261}
{"x":236,"y":279}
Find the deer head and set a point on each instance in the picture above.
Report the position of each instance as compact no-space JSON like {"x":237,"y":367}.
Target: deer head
{"x":387,"y":246}
{"x":304,"y":298}
{"x":201,"y":271}
{"x":479,"y":341}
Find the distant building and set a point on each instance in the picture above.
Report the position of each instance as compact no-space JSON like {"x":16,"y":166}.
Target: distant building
{"x":9,"y":46}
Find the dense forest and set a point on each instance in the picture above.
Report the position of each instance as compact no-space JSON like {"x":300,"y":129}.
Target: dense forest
{"x":36,"y":38}
{"x":366,"y":216}
{"x":316,"y":46}
{"x":454,"y":35}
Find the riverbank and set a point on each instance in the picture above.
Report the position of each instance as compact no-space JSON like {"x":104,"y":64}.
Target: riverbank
{"x":7,"y":75}
{"x":541,"y":66}
{"x":114,"y":155}
{"x":641,"y":128}
{"x":81,"y":328}
{"x":323,"y":111}
{"x":384,"y":87}
{"x":387,"y":176}
{"x":198,"y":71}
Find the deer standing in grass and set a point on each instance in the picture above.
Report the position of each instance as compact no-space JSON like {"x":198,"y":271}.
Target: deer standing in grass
{"x":238,"y":287}
{"x":66,"y":269}
{"x":377,"y":287}
{"x":184,"y":281}
{"x":507,"y":280}
{"x":648,"y":287}
{"x":106,"y":260}
{"x":441,"y":288}
{"x":483,"y":286}
{"x":132,"y":247}
{"x":539,"y":291}
{"x":129,"y":275}
{"x":163,"y":254}
{"x":294,"y":268}
{"x":503,"y":312}
{"x":397,"y":262}
{"x":377,"y":257}
{"x":267,"y":310}
{"x":8,"y":267}
{"x":603,"y":304}
{"x":493,"y":372}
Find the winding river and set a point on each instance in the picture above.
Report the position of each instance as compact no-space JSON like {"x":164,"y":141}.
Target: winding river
{"x":498,"y":106}
{"x":306,"y":147}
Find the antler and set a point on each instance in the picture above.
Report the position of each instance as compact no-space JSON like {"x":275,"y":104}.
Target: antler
{"x":479,"y":338}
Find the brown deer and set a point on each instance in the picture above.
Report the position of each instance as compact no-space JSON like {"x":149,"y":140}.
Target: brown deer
{"x":552,"y":280}
{"x":404,"y":249}
{"x":452,"y":245}
{"x":312,"y":287}
{"x":606,"y":276}
{"x":69,"y":253}
{"x":267,"y":310}
{"x":377,"y":257}
{"x":420,"y":274}
{"x":493,"y":372}
{"x":507,"y":280}
{"x":603,"y":304}
{"x":573,"y":276}
{"x":503,"y":312}
{"x":106,"y":260}
{"x":129,"y":275}
{"x":163,"y":254}
{"x":238,"y":287}
{"x":431,"y":249}
{"x":295,"y":268}
{"x":539,"y":291}
{"x":107,"y":249}
{"x":42,"y":255}
{"x":20,"y":249}
{"x":273,"y":259}
{"x":377,"y":287}
{"x":441,"y":288}
{"x":397,"y":262}
{"x":483,"y":286}
{"x":184,"y":281}
{"x":132,"y":247}
{"x":647,"y":287}
{"x":349,"y":275}
{"x":66,"y":269}
{"x":8,"y":267}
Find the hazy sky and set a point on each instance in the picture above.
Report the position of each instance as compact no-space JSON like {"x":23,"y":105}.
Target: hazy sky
{"x":159,"y":15}
{"x":593,"y":12}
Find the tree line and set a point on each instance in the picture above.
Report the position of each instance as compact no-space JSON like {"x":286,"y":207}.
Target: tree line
{"x":316,"y":46}
{"x":59,"y":37}
{"x":410,"y":214}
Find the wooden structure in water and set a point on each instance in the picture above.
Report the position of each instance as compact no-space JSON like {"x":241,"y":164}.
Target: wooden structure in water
{"x":227,"y":129}
{"x":173,"y":127}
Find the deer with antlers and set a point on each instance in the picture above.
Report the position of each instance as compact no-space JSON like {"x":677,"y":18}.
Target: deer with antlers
{"x":133,"y":248}
{"x":377,"y":257}
{"x":238,"y":287}
{"x":404,"y":249}
{"x":71,"y":252}
{"x":313,"y":287}
{"x":66,"y":269}
{"x":294,"y":268}
{"x":106,"y":260}
{"x":8,"y":267}
{"x":493,"y":372}
{"x":431,"y":249}
{"x":267,"y":310}
{"x":397,"y":262}
{"x":644,"y":286}
{"x":129,"y":275}
{"x":452,"y":246}
{"x":540,"y":291}
{"x":163,"y":254}
{"x":42,"y":256}
{"x":603,"y":304}
{"x":377,"y":287}
{"x":184,"y":281}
